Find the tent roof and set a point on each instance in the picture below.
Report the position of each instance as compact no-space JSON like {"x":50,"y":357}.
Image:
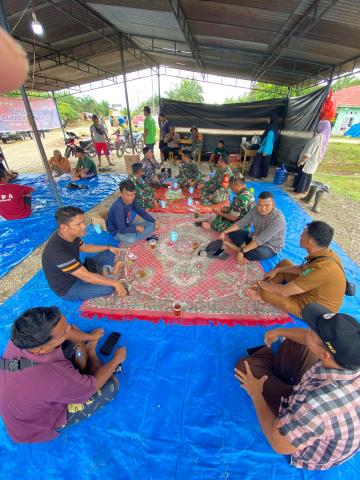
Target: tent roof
{"x":286,"y":42}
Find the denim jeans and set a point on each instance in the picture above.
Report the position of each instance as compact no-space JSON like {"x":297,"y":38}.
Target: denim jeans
{"x":260,"y":253}
{"x":81,"y":290}
{"x":130,"y":238}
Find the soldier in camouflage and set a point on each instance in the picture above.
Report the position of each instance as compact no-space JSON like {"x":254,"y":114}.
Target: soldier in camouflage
{"x":240,"y":205}
{"x":189,"y":173}
{"x":144,"y":193}
{"x":217,"y":189}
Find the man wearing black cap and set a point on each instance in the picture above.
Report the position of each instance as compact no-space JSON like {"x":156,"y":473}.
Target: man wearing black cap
{"x":306,"y":395}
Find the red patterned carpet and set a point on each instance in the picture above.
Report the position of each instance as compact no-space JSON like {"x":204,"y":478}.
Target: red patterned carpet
{"x":210,"y":291}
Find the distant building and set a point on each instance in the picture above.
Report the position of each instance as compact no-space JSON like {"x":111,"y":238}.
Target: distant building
{"x":347,"y":109}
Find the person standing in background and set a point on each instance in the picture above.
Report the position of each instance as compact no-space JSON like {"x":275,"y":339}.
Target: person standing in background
{"x":149,"y":129}
{"x":100,"y":139}
{"x":164,"y":130}
{"x":311,"y":155}
{"x":261,"y":162}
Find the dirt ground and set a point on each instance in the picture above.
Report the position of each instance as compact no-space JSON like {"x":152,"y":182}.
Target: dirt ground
{"x":341,"y":212}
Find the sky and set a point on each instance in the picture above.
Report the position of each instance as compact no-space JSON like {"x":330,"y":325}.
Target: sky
{"x":143,"y":88}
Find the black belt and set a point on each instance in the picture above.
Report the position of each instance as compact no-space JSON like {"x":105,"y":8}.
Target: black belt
{"x":16,"y":364}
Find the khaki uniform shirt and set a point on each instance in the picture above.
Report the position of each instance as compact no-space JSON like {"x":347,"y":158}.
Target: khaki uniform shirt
{"x":323,"y":280}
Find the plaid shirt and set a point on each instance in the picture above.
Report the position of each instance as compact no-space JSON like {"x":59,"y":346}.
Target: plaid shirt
{"x":321,"y":418}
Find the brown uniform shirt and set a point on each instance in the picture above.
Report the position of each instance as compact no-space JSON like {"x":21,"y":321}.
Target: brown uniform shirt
{"x":62,"y":163}
{"x":323,"y":280}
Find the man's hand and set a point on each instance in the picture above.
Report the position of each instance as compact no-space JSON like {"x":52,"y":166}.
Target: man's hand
{"x":252,"y":385}
{"x":96,"y":334}
{"x":270,"y":275}
{"x":119,"y":289}
{"x":120,"y":355}
{"x":222,"y":236}
{"x":139,"y":228}
{"x":114,"y":250}
{"x":271,"y":336}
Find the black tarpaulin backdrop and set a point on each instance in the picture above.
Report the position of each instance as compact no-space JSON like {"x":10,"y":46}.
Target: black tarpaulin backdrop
{"x":299,"y":114}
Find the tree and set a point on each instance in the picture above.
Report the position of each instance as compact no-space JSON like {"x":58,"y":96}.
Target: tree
{"x":187,"y":91}
{"x":152,"y":101}
{"x":102,"y":108}
{"x":345,"y":82}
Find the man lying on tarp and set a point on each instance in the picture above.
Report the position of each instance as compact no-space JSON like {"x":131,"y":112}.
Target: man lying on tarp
{"x":43,"y":384}
{"x":306,"y":395}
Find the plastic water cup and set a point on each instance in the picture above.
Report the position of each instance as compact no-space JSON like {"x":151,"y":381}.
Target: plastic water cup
{"x":152,"y":243}
{"x":175,"y":185}
{"x":191,"y":190}
{"x":98,"y":228}
{"x":162,"y":203}
{"x":177,"y":307}
{"x":190,"y":201}
{"x":173,"y":236}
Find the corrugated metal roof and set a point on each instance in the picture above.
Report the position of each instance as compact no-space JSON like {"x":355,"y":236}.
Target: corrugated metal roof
{"x":279,"y":41}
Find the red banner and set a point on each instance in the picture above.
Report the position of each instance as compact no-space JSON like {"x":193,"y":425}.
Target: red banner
{"x":13,"y":117}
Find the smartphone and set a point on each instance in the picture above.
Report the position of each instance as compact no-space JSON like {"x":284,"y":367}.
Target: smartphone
{"x":110,"y":343}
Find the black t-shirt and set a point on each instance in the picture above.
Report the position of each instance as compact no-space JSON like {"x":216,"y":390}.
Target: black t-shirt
{"x":59,"y":260}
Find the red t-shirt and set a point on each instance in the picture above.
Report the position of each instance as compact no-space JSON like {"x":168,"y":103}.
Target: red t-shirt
{"x":12,"y":203}
{"x":33,"y":402}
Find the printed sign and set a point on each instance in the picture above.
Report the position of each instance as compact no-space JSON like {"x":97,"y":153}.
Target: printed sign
{"x":13,"y":116}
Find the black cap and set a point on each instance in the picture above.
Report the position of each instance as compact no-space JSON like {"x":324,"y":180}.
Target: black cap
{"x":339,"y":332}
{"x":79,"y":150}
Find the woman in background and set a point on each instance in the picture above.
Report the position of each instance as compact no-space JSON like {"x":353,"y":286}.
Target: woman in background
{"x":261,"y":162}
{"x":311,"y":155}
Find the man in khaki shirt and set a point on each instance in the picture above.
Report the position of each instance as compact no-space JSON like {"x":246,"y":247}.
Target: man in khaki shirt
{"x":59,"y":164}
{"x":319,"y":279}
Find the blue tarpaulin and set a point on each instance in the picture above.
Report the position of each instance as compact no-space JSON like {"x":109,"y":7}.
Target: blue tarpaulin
{"x":180,"y":413}
{"x":18,"y":238}
{"x":354,"y":131}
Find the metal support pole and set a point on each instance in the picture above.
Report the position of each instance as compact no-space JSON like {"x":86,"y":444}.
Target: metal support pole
{"x":4,"y":23}
{"x":126,"y":95}
{"x":57,"y":109}
{"x":158,"y":76}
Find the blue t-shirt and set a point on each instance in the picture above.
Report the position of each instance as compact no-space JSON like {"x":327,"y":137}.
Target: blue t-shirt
{"x":119,"y":218}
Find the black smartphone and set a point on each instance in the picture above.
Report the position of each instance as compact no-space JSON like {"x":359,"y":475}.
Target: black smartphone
{"x":110,"y":343}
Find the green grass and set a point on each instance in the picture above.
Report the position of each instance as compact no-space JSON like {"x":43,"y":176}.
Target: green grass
{"x":340,"y":169}
{"x":341,"y":158}
{"x":347,"y":185}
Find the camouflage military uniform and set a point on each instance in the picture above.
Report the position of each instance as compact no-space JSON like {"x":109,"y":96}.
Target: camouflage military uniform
{"x":215,"y":186}
{"x":241,"y":204}
{"x":189,"y":171}
{"x":144,"y":194}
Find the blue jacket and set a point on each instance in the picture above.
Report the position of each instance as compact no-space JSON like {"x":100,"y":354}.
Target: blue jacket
{"x":119,"y":218}
{"x":267,"y":145}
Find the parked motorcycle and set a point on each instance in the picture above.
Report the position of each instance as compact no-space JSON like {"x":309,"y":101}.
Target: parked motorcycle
{"x":118,"y":144}
{"x":70,"y":143}
{"x":138,"y":140}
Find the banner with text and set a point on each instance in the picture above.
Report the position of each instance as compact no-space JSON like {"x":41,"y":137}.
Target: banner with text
{"x":13,"y":116}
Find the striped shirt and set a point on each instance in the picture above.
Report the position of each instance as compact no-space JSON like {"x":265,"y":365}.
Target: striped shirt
{"x":321,"y":418}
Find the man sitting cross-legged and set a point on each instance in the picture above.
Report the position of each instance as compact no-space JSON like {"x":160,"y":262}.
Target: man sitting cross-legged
{"x":85,"y":167}
{"x":67,"y":276}
{"x":189,"y":173}
{"x":49,"y":378}
{"x":145,"y":195}
{"x":242,"y":203}
{"x":217,"y":188}
{"x":306,"y":395}
{"x":268,"y":237}
{"x":120,"y":223}
{"x":319,"y":279}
